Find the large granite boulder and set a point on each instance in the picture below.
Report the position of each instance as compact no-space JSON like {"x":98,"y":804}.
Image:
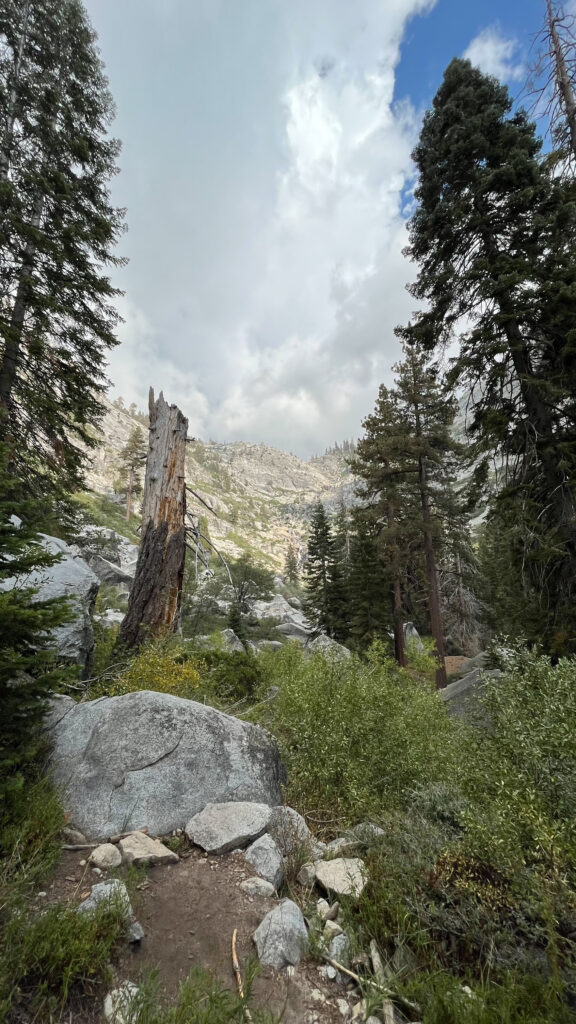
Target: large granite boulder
{"x":462,"y":696}
{"x":153,"y":760}
{"x":72,"y":578}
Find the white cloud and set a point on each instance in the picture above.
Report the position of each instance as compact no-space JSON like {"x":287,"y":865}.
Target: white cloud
{"x":496,"y":55}
{"x":265,"y":170}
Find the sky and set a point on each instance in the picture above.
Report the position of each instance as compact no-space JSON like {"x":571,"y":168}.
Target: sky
{"x":267,"y":178}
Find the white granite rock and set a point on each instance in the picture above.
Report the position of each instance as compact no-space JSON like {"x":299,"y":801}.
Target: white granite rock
{"x":281,"y":938}
{"x":346,"y":876}
{"x":228,"y":826}
{"x":138,"y":848}
{"x":266,"y":858}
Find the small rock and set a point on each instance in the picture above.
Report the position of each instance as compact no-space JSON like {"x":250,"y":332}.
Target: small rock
{"x":119,"y":1004}
{"x":135,"y":932}
{"x":138,"y":848}
{"x":359,"y":1011}
{"x":318,"y":996}
{"x":228,"y":826}
{"x":331,"y":930}
{"x":42,"y":893}
{"x":338,"y":845}
{"x":257,"y":887}
{"x":106,"y":856}
{"x":343,"y":1006}
{"x":98,"y":872}
{"x":307,"y":875}
{"x":281,"y":938}
{"x":334,"y":912}
{"x":373,"y":1020}
{"x":289,"y":830}
{"x":82,"y":863}
{"x":345,"y":876}
{"x":73,"y":837}
{"x":265,"y":856}
{"x":339,"y":949}
{"x":322,"y":909}
{"x":112,"y":890}
{"x":328,"y":972}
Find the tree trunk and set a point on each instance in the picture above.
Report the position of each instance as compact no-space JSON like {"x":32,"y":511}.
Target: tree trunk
{"x":129,"y":494}
{"x":156,"y":594}
{"x":12,"y":348}
{"x":6,"y":149}
{"x":432,"y":572}
{"x":399,"y":644}
{"x":562,"y":77}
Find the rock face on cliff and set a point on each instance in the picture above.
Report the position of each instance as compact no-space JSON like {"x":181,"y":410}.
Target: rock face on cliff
{"x":153,"y":760}
{"x":262,"y":497}
{"x":71,"y":578}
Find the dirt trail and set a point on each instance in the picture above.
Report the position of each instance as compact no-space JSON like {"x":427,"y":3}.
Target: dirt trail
{"x":189,"y":911}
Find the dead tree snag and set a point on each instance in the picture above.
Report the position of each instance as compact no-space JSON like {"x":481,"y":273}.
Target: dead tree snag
{"x":154,"y":603}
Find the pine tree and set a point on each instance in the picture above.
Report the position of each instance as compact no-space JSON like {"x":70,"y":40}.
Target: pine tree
{"x":130,"y":464}
{"x":57,"y":234}
{"x":291,"y":570}
{"x":378,"y":464}
{"x":494,"y":238}
{"x":369,"y":585}
{"x":27,"y":673}
{"x":317,"y":568}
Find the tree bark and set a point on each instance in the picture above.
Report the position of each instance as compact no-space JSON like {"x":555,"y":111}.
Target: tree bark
{"x":155,"y":598}
{"x":432,"y":572}
{"x":562,"y":77}
{"x":399,"y":644}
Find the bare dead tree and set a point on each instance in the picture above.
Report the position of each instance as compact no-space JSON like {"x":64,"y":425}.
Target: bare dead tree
{"x":552,"y":82}
{"x":155,"y":598}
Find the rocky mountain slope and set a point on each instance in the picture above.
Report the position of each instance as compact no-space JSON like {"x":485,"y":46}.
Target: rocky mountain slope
{"x":261,"y":497}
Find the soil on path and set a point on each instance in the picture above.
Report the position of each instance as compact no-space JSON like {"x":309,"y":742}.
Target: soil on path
{"x":189,"y":911}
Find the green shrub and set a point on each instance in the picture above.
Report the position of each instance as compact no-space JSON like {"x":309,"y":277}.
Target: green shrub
{"x":160,"y":666}
{"x":355,"y":734}
{"x":229,"y":676}
{"x":43,"y":957}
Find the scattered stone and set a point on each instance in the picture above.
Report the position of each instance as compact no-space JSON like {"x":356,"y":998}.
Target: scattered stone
{"x":318,"y":996}
{"x":323,"y":909}
{"x":281,"y":938}
{"x":331,"y":930}
{"x":82,"y":863}
{"x":359,"y":1011}
{"x":42,"y":893}
{"x":230,"y":641}
{"x":257,"y":887}
{"x":135,"y":932}
{"x":366,"y":832}
{"x":98,"y":872}
{"x":337,"y":845}
{"x":73,"y":837}
{"x":346,"y":876}
{"x":106,"y":856}
{"x":375,"y":1020}
{"x":334,"y":912}
{"x":339,"y":949}
{"x":138,"y":848}
{"x":343,"y":1006}
{"x":329,"y":648}
{"x":289,"y":830}
{"x":307,"y":875}
{"x":228,"y":826}
{"x":111,"y":891}
{"x":328,"y":972}
{"x":266,"y":858}
{"x":119,"y":1005}
{"x":153,"y":759}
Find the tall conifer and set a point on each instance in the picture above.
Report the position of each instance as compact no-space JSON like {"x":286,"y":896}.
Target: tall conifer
{"x":58,"y":230}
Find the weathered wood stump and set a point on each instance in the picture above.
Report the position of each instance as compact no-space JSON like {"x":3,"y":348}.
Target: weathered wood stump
{"x":154,"y":603}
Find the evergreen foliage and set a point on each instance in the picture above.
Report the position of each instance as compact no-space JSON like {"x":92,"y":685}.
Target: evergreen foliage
{"x":291,"y":569}
{"x":131,"y":460}
{"x":57,"y":234}
{"x":494,"y":238}
{"x":326,"y":578}
{"x":27,"y":671}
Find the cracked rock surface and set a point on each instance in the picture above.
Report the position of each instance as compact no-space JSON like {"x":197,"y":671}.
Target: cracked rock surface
{"x":153,"y":760}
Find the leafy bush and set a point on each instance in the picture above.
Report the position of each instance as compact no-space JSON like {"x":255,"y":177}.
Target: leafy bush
{"x":230,"y":675}
{"x":355,"y":734}
{"x":159,"y":666}
{"x":43,"y":957}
